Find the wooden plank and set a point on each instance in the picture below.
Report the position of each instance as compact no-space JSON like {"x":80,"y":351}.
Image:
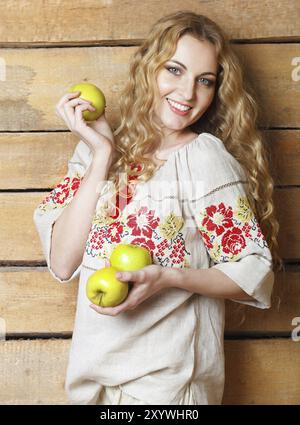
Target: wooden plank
{"x":262,"y":71}
{"x":44,"y":75}
{"x":93,"y":21}
{"x":287,"y":204}
{"x":19,"y":238}
{"x":38,"y":159}
{"x":33,"y":302}
{"x":262,"y":372}
{"x":20,"y":241}
{"x":33,"y":371}
{"x":35,"y":84}
{"x":284,"y":150}
{"x":257,"y":372}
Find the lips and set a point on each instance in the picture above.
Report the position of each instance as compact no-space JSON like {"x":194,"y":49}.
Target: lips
{"x":178,"y":111}
{"x":176,"y":101}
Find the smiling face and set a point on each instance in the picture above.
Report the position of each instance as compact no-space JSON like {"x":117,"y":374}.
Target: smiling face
{"x":191,"y":84}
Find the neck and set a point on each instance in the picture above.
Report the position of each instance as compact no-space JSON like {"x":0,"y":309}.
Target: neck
{"x":172,"y":139}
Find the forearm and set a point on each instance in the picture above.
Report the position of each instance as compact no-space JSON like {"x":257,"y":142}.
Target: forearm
{"x":71,"y":229}
{"x":208,"y":282}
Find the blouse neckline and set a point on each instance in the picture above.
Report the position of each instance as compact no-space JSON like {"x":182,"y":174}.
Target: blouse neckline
{"x":178,"y":151}
{"x":172,"y":154}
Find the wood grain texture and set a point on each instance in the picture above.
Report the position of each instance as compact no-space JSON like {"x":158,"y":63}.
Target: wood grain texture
{"x":257,"y":372}
{"x":265,"y":69}
{"x":262,"y":372}
{"x":33,"y":371}
{"x":33,"y":302}
{"x":284,"y":155}
{"x":37,"y":160}
{"x":35,"y":84}
{"x":287,"y":204}
{"x":96,"y":21}
{"x":19,"y":238}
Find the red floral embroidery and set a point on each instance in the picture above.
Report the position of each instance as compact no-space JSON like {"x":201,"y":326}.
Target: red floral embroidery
{"x":96,"y":238}
{"x":246,"y":228}
{"x":65,"y":183}
{"x":143,"y":222}
{"x":218,"y":218}
{"x":75,"y":185}
{"x":62,"y":194}
{"x":140,"y":228}
{"x":61,"y":197}
{"x":137,"y":167}
{"x":114,"y":232}
{"x":146,"y":243}
{"x":177,"y":253}
{"x":162,"y":248}
{"x":233,"y":241}
{"x":226,"y":231}
{"x":206,"y":239}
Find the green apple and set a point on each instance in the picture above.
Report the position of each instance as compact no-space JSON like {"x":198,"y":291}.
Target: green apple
{"x":93,"y":94}
{"x":104,"y":289}
{"x":129,"y":257}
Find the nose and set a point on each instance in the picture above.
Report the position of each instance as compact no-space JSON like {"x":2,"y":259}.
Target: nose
{"x":187,"y":88}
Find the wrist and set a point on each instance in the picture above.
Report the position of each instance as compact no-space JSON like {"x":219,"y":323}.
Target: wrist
{"x":103,"y":158}
{"x":171,"y":277}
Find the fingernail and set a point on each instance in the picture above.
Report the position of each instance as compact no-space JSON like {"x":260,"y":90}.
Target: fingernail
{"x":119,"y":275}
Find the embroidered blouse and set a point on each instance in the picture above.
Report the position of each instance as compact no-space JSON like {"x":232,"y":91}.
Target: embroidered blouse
{"x":194,"y":213}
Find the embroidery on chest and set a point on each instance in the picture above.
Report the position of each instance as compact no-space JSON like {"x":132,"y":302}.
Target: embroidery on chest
{"x":113,"y":224}
{"x":163,"y":239}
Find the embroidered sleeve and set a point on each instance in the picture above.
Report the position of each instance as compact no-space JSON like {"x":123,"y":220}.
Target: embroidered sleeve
{"x":52,"y":206}
{"x":63,"y":193}
{"x":235,"y":243}
{"x":227,"y":230}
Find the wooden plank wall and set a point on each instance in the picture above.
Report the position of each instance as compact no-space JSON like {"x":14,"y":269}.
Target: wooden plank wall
{"x":44,"y":48}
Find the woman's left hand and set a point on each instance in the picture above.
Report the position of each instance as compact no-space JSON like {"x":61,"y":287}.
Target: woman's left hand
{"x":146,"y":282}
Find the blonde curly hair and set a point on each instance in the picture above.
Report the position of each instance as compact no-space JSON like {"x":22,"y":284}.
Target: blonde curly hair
{"x":232,"y":115}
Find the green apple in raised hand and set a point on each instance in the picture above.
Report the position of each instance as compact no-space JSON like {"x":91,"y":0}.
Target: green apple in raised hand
{"x":130,"y":257}
{"x":93,"y":94}
{"x":104,"y":289}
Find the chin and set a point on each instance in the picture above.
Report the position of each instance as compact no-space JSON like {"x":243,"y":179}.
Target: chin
{"x":174,"y":127}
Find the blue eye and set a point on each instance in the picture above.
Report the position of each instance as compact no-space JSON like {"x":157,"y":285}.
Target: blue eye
{"x":208,"y":82}
{"x":169,"y":68}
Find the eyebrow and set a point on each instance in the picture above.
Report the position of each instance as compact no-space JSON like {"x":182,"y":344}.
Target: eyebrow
{"x":183,"y":66}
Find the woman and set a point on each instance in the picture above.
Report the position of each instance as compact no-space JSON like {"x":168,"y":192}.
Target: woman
{"x":188,"y":126}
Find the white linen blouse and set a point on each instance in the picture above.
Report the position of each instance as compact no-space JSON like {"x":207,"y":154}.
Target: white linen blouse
{"x":192,"y":213}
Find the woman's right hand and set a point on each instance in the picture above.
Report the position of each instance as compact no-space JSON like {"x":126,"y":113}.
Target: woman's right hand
{"x":96,"y":134}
